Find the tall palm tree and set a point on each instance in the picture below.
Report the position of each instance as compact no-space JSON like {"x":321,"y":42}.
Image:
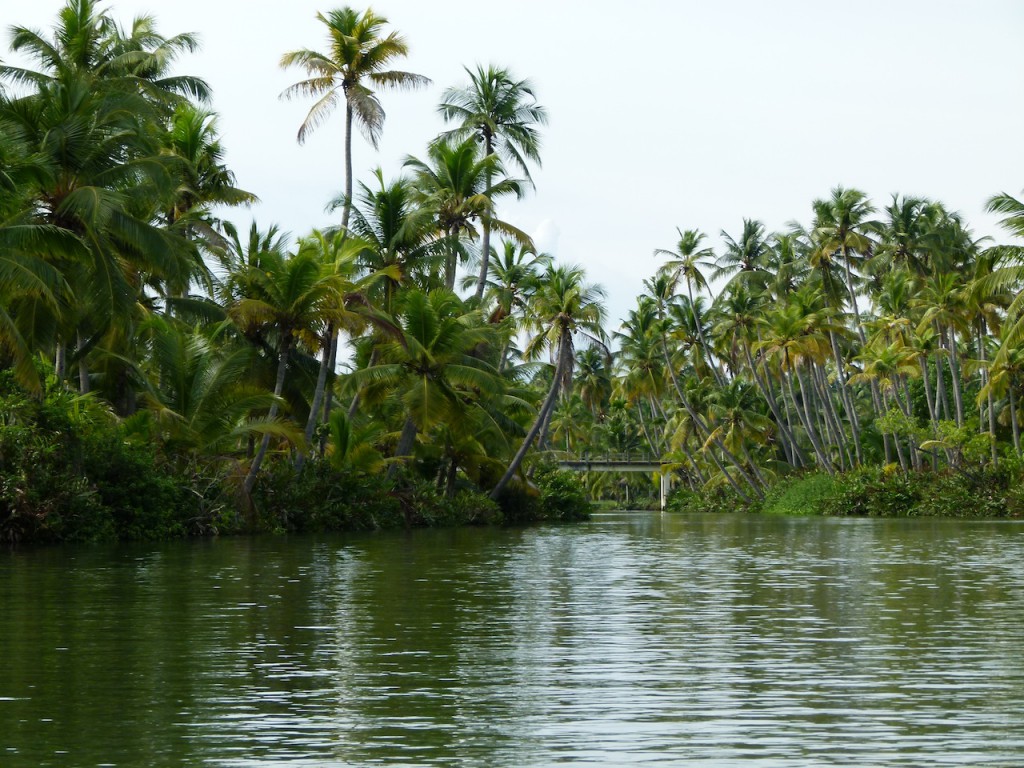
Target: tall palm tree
{"x":686,"y":263}
{"x":458,"y":184}
{"x":502,"y":113}
{"x":358,"y":57}
{"x":841,"y":226}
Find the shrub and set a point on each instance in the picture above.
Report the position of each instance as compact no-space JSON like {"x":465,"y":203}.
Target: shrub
{"x":800,"y":494}
{"x":717,"y":499}
{"x":67,"y":473}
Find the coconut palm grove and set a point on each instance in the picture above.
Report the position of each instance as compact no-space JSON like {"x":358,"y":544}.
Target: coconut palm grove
{"x":167,"y":371}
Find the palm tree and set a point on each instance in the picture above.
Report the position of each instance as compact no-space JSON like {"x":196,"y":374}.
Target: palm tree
{"x":457,"y":184}
{"x":357,"y":57}
{"x":430,"y":365}
{"x":511,"y":281}
{"x":743,"y":259}
{"x":564,"y":305}
{"x":502,"y":113}
{"x":685,"y":263}
{"x":399,"y":236}
{"x":841,"y":226}
{"x":278,"y":301}
{"x":199,"y":394}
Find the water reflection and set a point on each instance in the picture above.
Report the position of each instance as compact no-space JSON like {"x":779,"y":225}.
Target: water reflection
{"x":633,"y":639}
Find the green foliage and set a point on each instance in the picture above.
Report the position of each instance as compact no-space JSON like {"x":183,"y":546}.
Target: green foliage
{"x":718,"y":499}
{"x":553,"y":496}
{"x":67,"y":473}
{"x":323,"y":498}
{"x":887,"y":492}
{"x":800,"y":495}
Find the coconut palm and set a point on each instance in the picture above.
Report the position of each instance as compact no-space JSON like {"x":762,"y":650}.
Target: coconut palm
{"x":563,"y":305}
{"x":686,"y":264}
{"x":457,"y":183}
{"x":430,"y":365}
{"x":280,"y":301}
{"x":502,"y":113}
{"x":357,"y":58}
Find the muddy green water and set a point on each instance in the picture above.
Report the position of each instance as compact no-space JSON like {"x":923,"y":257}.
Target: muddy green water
{"x":633,"y":639}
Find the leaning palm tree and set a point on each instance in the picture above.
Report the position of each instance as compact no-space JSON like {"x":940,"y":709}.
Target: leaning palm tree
{"x":564,"y":305}
{"x":358,"y":56}
{"x":502,"y":113}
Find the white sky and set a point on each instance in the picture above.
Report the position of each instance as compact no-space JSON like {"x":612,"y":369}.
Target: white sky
{"x":663,"y":114}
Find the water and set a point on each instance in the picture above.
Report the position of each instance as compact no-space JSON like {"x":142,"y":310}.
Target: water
{"x":634,"y":639}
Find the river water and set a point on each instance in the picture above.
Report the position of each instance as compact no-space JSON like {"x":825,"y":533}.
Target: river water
{"x":636,"y":638}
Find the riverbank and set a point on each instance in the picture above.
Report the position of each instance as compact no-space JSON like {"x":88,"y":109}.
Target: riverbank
{"x":72,"y":472}
{"x":877,"y":491}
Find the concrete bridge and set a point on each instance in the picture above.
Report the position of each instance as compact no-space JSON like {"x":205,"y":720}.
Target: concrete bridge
{"x":623,"y":463}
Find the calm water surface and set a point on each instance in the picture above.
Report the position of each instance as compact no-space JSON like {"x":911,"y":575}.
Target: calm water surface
{"x":634,"y":639}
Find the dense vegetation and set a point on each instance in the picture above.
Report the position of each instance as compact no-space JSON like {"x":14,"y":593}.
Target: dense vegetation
{"x":166,"y":373}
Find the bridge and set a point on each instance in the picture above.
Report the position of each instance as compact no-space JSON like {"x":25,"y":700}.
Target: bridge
{"x":623,"y":463}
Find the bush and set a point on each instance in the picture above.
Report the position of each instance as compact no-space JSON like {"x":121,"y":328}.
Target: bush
{"x":718,"y":499}
{"x":67,"y":473}
{"x":800,"y":495}
{"x":322,"y":498}
{"x":553,"y":496}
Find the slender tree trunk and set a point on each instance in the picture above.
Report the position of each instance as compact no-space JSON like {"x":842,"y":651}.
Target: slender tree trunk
{"x":318,"y":393}
{"x":451,"y":261}
{"x":693,"y":464}
{"x":549,"y":404}
{"x":804,"y":416}
{"x":846,"y":396}
{"x":989,"y":400}
{"x":282,"y":368}
{"x":703,"y":342}
{"x":406,"y":442}
{"x":346,"y":209}
{"x":832,"y":418}
{"x":788,"y":443}
{"x":485,"y":239}
{"x":954,"y":372}
{"x":853,"y":295}
{"x":1013,"y":418}
{"x":453,"y":471}
{"x":83,"y":368}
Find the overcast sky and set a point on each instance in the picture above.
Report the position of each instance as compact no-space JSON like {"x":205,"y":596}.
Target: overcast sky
{"x":663,"y":114}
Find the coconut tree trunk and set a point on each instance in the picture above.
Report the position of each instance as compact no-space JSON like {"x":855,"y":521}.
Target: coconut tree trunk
{"x":703,"y":342}
{"x":1013,"y":418}
{"x":83,"y":368}
{"x":853,"y":295}
{"x":406,"y":442}
{"x":788,"y":443}
{"x":805,"y":418}
{"x":832,"y":418}
{"x":346,"y":209}
{"x":546,"y":407}
{"x":954,"y":371}
{"x":485,"y":238}
{"x":327,"y":342}
{"x":845,"y":395}
{"x":282,"y":368}
{"x":990,"y":403}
